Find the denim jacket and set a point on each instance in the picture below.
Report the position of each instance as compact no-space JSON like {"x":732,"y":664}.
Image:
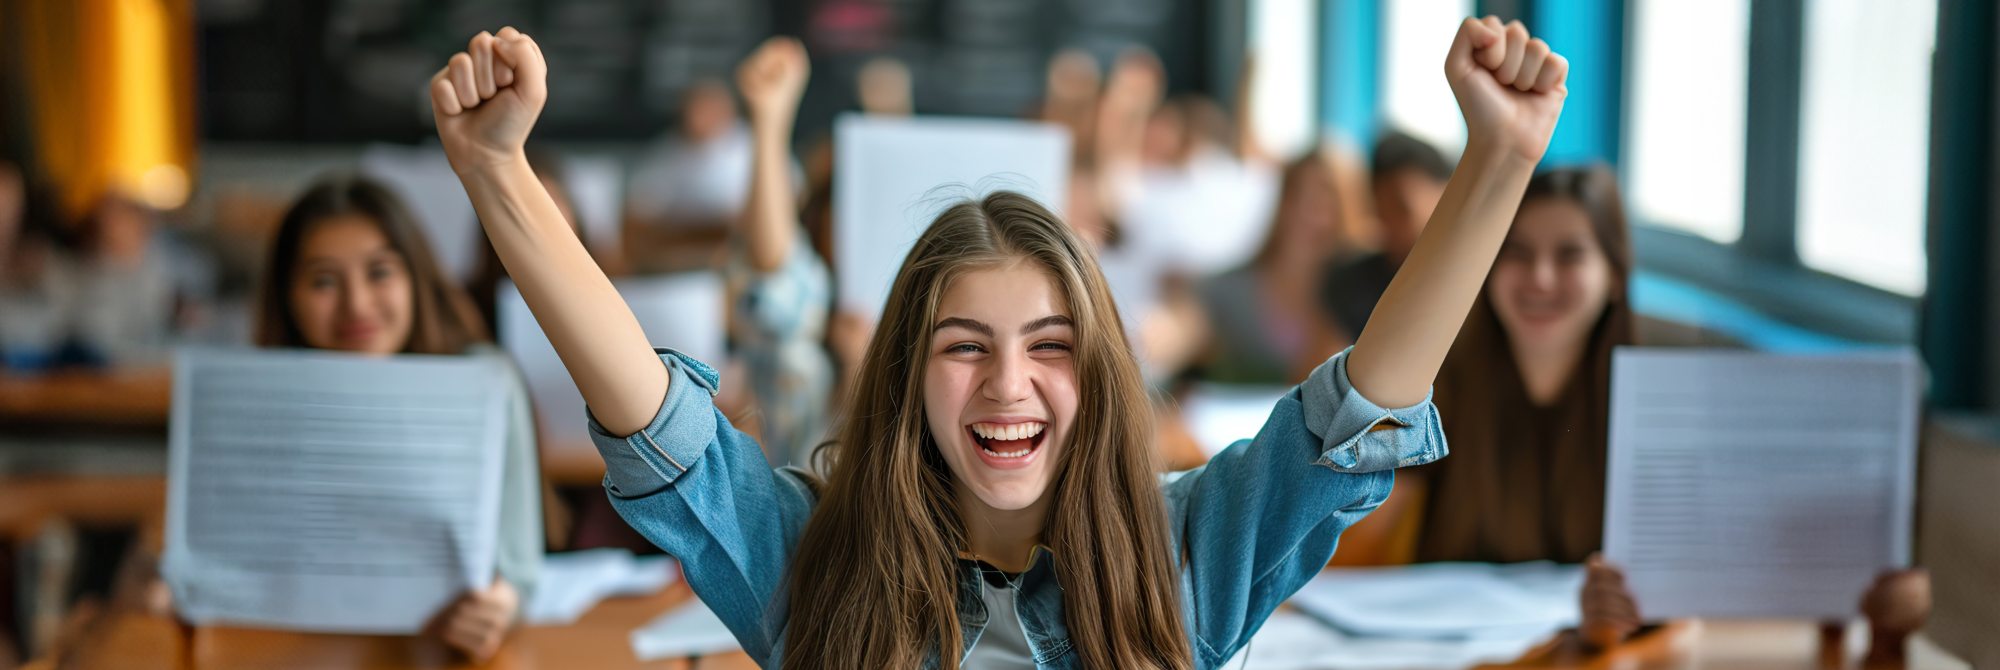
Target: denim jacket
{"x":1256,"y":522}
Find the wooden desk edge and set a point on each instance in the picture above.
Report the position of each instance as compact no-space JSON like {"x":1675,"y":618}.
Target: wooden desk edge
{"x":1566,"y":650}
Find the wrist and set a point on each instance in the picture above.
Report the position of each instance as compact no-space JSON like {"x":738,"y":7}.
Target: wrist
{"x":485,"y":163}
{"x":773,"y":124}
{"x":494,"y":174}
{"x":1498,"y":155}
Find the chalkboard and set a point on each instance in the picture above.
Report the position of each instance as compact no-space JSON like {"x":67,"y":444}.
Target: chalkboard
{"x":356,"y":70}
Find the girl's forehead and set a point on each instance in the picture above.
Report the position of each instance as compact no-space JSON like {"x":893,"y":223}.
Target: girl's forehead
{"x":1550,"y":219}
{"x":1016,"y":289}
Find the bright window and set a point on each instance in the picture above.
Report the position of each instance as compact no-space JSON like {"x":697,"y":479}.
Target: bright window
{"x":1864,"y":137}
{"x":1284,"y":37}
{"x":1417,"y":100}
{"x":1687,"y":96}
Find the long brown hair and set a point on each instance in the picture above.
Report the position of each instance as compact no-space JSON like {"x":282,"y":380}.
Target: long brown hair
{"x":874,"y":581}
{"x":1525,"y":482}
{"x":444,"y":320}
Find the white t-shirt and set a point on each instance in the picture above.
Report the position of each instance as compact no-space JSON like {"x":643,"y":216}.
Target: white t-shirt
{"x":1004,"y":645}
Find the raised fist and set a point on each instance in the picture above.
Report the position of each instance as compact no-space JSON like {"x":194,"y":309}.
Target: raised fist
{"x":1509,"y":86}
{"x":773,"y":78}
{"x":487,"y":98}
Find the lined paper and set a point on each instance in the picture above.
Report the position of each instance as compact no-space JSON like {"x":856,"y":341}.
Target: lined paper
{"x":1744,"y":484}
{"x":330,"y":492}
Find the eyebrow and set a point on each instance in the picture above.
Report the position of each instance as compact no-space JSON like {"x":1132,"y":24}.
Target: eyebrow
{"x":983,"y":329}
{"x":968,"y":324}
{"x":1046,"y":322}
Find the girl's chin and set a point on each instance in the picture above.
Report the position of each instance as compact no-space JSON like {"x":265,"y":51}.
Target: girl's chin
{"x":1541,"y":326}
{"x":1008,"y":500}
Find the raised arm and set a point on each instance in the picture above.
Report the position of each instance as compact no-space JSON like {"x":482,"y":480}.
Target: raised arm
{"x":486,"y":100}
{"x":1510,"y":88}
{"x":771,"y":81}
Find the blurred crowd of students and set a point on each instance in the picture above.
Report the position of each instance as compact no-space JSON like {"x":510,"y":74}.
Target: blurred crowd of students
{"x":1229,"y":268}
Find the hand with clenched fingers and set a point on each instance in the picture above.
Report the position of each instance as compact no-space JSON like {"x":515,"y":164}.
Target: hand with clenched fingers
{"x":1509,"y":86}
{"x":772,"y":79}
{"x":487,"y":98}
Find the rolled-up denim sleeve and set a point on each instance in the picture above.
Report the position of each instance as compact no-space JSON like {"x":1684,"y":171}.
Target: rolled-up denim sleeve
{"x":1361,"y":436}
{"x":1264,"y":515}
{"x":651,"y":459}
{"x":702,"y":491}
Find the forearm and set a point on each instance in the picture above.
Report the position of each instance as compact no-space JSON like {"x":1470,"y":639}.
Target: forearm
{"x":1412,"y":328}
{"x":770,"y":217}
{"x":600,"y":342}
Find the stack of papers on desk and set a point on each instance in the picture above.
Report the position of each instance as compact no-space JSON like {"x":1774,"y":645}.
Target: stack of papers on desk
{"x":1291,"y":640}
{"x":1439,"y":615}
{"x":576,"y":581}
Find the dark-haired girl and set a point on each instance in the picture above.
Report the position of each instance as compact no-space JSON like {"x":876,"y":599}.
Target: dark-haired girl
{"x":352,"y":271}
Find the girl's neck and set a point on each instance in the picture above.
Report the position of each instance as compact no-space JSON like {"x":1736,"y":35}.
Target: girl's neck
{"x":1004,"y":539}
{"x":1546,"y":367}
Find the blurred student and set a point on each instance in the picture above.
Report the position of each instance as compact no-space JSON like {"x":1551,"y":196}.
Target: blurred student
{"x":995,"y":487}
{"x":30,"y":322}
{"x":351,"y":270}
{"x":99,"y":291}
{"x":1161,"y":313}
{"x":1202,"y":198}
{"x":883,"y":87}
{"x":690,"y":185}
{"x":1070,"y":98}
{"x":1408,"y":177}
{"x":781,"y":287}
{"x":1525,"y":392}
{"x":1267,"y":324}
{"x":1524,"y":397}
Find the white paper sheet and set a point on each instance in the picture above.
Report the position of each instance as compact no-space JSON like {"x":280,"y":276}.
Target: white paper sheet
{"x":1438,"y":615}
{"x":1755,"y":485}
{"x":689,"y":630}
{"x":331,"y":492}
{"x":573,"y":582}
{"x":1525,"y":601}
{"x":683,"y":311}
{"x":1291,"y":640}
{"x":891,"y":167}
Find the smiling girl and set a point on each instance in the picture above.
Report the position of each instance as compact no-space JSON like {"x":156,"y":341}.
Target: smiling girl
{"x":350,"y":270}
{"x":993,"y":499}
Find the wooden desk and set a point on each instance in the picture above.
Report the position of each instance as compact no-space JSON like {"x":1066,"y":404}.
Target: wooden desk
{"x":571,"y":462}
{"x":26,"y":501}
{"x":1724,"y":645}
{"x":125,"y":397}
{"x":599,"y":640}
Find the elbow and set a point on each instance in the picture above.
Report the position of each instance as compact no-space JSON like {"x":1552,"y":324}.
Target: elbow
{"x":621,"y":422}
{"x":766,"y":260}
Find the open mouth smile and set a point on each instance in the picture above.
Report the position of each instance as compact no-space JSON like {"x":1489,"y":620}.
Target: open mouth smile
{"x":1008,"y":446}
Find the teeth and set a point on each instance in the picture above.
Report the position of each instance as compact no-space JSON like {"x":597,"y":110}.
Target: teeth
{"x":1012,"y":431}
